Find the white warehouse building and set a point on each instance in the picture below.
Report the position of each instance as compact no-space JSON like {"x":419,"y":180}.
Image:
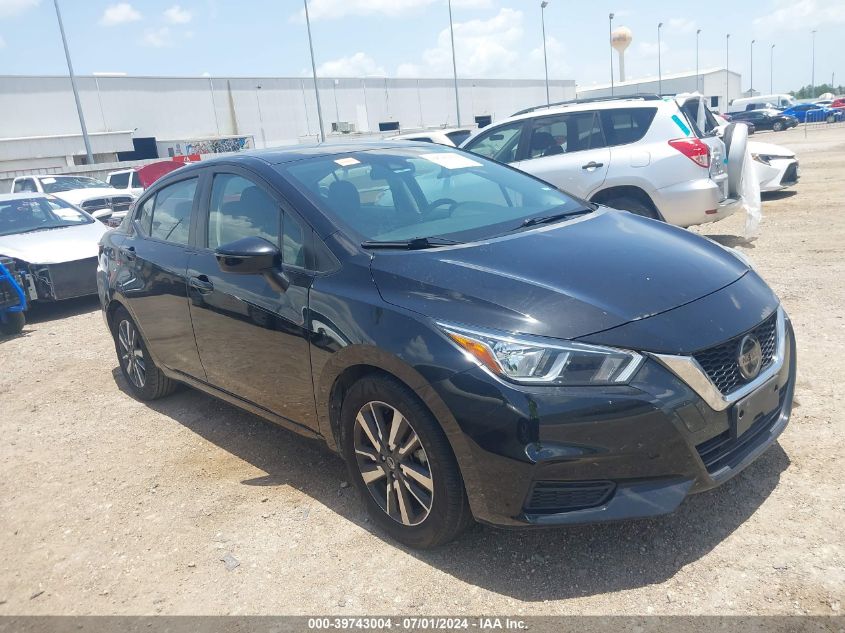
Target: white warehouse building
{"x":40,"y":131}
{"x":717,"y":84}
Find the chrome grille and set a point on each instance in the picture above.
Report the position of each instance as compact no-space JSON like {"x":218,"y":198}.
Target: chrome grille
{"x":720,"y":362}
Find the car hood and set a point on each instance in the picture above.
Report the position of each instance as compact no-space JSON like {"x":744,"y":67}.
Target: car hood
{"x":770,"y":149}
{"x":565,"y":280}
{"x":75,"y":196}
{"x":53,"y":246}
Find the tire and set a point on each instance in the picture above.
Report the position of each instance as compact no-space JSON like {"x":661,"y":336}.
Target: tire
{"x":633,"y":205}
{"x":831,"y":118}
{"x":376,"y":400}
{"x":13,"y":324}
{"x":777,"y":126}
{"x":145,"y":380}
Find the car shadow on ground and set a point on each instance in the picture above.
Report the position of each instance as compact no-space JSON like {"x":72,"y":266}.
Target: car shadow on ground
{"x":530,"y":565}
{"x":732,"y":241}
{"x":777,"y":195}
{"x":57,"y":310}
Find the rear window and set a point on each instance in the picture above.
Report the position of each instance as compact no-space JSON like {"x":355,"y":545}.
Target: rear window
{"x":120,"y":181}
{"x":626,"y":125}
{"x":458,"y":136}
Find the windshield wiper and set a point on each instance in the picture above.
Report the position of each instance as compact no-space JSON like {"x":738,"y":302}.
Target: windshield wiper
{"x":413,"y":244}
{"x":546,"y":219}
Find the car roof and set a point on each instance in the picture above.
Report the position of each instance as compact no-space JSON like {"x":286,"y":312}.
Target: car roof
{"x":22,"y":196}
{"x":293,"y":153}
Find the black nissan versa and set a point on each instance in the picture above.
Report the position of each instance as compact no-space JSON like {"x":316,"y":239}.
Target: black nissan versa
{"x":474,"y":342}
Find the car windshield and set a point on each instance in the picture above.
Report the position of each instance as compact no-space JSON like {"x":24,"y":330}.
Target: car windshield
{"x":55,"y":184}
{"x":387,"y":195}
{"x":24,"y":215}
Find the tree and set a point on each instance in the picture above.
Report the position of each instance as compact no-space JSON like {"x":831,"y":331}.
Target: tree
{"x":808,"y":92}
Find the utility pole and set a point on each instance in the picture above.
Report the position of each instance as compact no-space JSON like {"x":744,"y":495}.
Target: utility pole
{"x":727,"y":74}
{"x":751,"y":87}
{"x":813,"y":79}
{"x":610,"y":30}
{"x":697,"y":74}
{"x":772,"y":70}
{"x":454,"y":66}
{"x":543,"y":6}
{"x":314,"y":73}
{"x":85,"y":138}
{"x":659,"y":65}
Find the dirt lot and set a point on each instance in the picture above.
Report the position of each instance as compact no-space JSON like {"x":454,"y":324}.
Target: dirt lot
{"x":108,"y":505}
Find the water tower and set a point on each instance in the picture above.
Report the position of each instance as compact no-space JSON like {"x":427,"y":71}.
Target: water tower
{"x":620,"y":39}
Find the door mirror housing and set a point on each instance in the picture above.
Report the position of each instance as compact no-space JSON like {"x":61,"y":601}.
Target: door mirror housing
{"x":248,"y":256}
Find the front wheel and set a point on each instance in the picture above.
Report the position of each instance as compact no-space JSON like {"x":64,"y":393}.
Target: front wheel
{"x":402,"y":464}
{"x":831,"y":118}
{"x":12,"y":324}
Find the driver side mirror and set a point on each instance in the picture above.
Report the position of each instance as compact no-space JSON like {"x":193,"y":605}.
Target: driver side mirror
{"x":251,"y":256}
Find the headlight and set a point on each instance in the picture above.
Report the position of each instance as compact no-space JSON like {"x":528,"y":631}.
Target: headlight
{"x":761,"y":158}
{"x":527,"y":360}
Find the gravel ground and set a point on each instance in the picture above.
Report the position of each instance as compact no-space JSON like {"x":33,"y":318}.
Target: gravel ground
{"x":188,"y":505}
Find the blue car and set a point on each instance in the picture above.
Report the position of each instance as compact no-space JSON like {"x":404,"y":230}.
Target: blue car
{"x":814,"y":113}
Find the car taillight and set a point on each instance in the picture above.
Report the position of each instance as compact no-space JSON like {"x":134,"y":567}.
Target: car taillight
{"x":693,"y":148}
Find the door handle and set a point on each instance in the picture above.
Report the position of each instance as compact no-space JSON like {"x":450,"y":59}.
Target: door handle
{"x":201,"y":284}
{"x":592,"y":165}
{"x":128,"y":253}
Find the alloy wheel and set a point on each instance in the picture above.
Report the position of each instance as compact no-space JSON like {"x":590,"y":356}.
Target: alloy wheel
{"x":393,"y":463}
{"x":131,"y":353}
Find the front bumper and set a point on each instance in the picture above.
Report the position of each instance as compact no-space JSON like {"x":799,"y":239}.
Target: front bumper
{"x":561,"y":456}
{"x":777,"y":174}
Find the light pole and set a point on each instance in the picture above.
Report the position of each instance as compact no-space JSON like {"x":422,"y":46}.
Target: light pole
{"x":659,"y":65}
{"x":697,"y":75}
{"x":727,"y":75}
{"x":610,"y":30}
{"x":543,"y":6}
{"x":314,"y":73}
{"x":85,"y":138}
{"x":260,"y":117}
{"x":813,"y":79}
{"x":454,"y":66}
{"x":772,"y":70}
{"x":751,"y":80}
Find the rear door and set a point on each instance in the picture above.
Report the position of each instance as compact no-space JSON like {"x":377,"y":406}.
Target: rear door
{"x":154,"y":258}
{"x":567,"y":150}
{"x":252,"y":337}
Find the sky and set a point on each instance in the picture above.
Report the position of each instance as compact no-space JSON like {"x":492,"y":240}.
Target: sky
{"x":410,"y":38}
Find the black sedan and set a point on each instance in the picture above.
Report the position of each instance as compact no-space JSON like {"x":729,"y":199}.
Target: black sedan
{"x":768,"y":119}
{"x":473,"y":342}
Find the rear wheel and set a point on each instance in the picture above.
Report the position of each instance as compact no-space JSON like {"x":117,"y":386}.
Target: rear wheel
{"x":777,"y":126}
{"x":146,"y":381}
{"x":402,"y":464}
{"x":633,"y":205}
{"x":13,"y":324}
{"x":831,"y":118}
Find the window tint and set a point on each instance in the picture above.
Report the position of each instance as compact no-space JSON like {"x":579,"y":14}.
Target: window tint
{"x":25,"y":185}
{"x":500,"y":143}
{"x":458,"y":136}
{"x":172,"y":211}
{"x":240,"y":208}
{"x":565,"y":133}
{"x":136,"y":182}
{"x":626,"y":125}
{"x":293,"y":243}
{"x":421,"y":139}
{"x":119,"y":180}
{"x":145,"y":215}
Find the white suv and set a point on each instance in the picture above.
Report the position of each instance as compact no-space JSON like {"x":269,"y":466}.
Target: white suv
{"x":657,"y":157}
{"x":96,"y":197}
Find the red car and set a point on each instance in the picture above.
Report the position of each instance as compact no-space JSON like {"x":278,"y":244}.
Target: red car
{"x":838,"y":103}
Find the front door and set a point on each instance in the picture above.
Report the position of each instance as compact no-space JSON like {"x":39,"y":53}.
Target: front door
{"x":251,"y":336}
{"x":567,"y":150}
{"x":154,"y":262}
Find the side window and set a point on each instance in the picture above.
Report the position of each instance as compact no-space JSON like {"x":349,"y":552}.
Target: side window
{"x":626,"y":125}
{"x":172,"y":212}
{"x":25,"y":185}
{"x":120,"y":181}
{"x":18,"y":186}
{"x":136,"y":182}
{"x":145,"y":215}
{"x":293,"y":242}
{"x":239,"y":209}
{"x":500,"y":144}
{"x":565,"y":133}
